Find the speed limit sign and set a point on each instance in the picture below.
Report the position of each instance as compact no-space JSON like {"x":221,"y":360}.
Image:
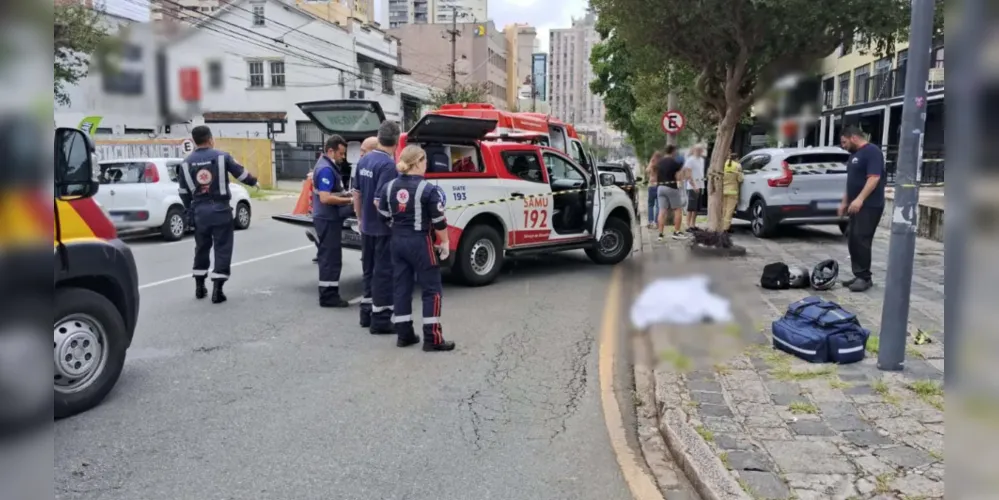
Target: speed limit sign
{"x":673,"y":122}
{"x":188,"y":146}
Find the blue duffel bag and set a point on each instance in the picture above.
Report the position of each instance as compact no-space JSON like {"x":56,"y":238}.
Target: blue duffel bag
{"x":820,"y":331}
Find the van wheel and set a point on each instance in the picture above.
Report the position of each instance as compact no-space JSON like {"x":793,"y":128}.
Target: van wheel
{"x":614,"y":245}
{"x":480,"y":256}
{"x":242,"y":218}
{"x":174,"y":226}
{"x":89,"y":348}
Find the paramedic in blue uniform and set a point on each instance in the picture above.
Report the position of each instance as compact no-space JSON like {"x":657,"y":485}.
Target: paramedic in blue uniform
{"x":373,"y":171}
{"x":417,"y":215}
{"x":328,"y":198}
{"x":204,"y":190}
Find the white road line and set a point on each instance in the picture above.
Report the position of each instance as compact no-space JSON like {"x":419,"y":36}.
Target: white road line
{"x":234,"y":264}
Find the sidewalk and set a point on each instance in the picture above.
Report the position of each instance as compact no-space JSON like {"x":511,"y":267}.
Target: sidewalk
{"x":756,"y":423}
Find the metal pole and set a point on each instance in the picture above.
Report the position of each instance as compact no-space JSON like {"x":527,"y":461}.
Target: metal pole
{"x":454,"y":51}
{"x":670,"y":106}
{"x":902,"y":249}
{"x":964,"y":154}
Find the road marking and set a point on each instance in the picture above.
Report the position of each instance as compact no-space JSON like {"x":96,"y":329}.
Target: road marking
{"x":639,"y":482}
{"x":234,"y":264}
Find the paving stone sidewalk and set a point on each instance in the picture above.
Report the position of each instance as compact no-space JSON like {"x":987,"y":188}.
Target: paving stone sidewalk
{"x":784,"y":428}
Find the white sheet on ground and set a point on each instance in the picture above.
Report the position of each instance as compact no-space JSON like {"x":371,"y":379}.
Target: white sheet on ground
{"x":683,"y":301}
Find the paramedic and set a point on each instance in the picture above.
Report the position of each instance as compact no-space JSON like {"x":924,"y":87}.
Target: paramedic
{"x":204,"y":191}
{"x":327,"y":199}
{"x":373,"y":171}
{"x":417,"y":213}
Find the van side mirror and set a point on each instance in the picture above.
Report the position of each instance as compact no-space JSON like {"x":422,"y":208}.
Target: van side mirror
{"x":76,"y":168}
{"x":606,"y":179}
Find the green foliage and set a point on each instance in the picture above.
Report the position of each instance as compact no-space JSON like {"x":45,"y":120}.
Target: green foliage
{"x":463,"y":92}
{"x":77,"y":35}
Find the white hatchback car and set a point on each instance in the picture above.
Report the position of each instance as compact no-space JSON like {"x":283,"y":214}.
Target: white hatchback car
{"x":141,"y":194}
{"x":792,"y":186}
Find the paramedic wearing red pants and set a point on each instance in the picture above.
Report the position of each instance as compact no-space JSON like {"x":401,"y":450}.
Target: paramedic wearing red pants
{"x":417,"y":213}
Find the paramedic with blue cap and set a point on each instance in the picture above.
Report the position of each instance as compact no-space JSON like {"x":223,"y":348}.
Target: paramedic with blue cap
{"x":204,"y":190}
{"x":373,"y":171}
{"x":328,"y":197}
{"x":417,"y":214}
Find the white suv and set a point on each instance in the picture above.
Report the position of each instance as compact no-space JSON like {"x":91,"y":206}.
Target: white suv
{"x":792,"y":186}
{"x":141,"y":194}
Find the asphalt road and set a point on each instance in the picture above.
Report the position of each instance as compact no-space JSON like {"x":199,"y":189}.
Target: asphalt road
{"x":270,"y":397}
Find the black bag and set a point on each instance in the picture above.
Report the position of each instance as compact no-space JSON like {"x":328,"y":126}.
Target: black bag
{"x":776,"y":276}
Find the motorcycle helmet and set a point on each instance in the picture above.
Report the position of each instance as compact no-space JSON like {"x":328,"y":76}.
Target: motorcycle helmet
{"x":799,"y":277}
{"x":824,"y":275}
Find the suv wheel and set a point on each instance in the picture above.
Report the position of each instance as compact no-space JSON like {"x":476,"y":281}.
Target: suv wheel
{"x":479,"y":258}
{"x":614,"y":245}
{"x":762,"y":225}
{"x":242,"y":218}
{"x":174,"y":226}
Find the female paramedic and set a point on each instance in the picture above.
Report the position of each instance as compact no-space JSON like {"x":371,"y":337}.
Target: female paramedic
{"x":416,"y":211}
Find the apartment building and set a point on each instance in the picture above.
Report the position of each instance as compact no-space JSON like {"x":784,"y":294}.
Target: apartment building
{"x":520,"y":41}
{"x":865,"y":89}
{"x":403,"y":12}
{"x":480,"y":51}
{"x":569,"y":78}
{"x":184,"y":10}
{"x":339,"y":11}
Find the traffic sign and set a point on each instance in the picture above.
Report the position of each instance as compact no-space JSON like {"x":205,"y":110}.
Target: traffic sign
{"x":673,"y":122}
{"x":188,"y":146}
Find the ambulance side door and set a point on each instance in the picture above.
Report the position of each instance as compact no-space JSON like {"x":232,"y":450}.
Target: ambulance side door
{"x":531,"y":204}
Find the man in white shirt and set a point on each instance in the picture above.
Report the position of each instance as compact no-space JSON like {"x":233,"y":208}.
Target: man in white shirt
{"x":694,"y":183}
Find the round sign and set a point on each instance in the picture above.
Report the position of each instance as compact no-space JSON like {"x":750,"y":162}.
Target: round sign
{"x":188,"y":146}
{"x":673,"y":122}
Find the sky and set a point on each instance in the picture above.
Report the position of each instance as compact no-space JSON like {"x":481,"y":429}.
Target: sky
{"x":542,"y":14}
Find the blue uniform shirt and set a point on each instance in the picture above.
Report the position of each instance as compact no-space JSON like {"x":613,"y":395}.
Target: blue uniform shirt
{"x":372,"y":173}
{"x":325,"y":178}
{"x":204,"y":176}
{"x":413,"y":204}
{"x":865,"y":162}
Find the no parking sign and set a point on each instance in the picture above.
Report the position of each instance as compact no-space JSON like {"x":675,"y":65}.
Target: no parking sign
{"x":673,"y":122}
{"x":188,"y":146}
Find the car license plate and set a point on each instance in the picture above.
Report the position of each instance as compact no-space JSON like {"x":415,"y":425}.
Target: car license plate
{"x":117,"y":218}
{"x":828,"y":205}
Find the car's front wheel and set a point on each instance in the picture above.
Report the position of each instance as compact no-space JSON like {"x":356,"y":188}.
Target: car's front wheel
{"x":242,"y":216}
{"x":614,"y":244}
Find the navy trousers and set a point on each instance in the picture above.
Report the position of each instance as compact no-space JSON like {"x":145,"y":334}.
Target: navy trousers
{"x":376,"y":265}
{"x":414,"y":261}
{"x":330,"y":254}
{"x":212,"y":229}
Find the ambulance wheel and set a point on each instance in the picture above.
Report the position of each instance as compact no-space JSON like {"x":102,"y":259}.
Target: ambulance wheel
{"x":480,"y":256}
{"x":174,"y":226}
{"x":89,"y":348}
{"x":614,"y":245}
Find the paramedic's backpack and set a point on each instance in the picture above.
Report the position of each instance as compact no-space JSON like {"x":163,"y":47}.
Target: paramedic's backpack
{"x":820,"y":331}
{"x":776,"y":276}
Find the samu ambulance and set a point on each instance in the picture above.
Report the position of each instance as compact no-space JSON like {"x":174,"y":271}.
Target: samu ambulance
{"x":502,"y":199}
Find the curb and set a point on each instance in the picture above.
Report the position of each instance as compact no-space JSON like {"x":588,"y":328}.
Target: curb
{"x":702,"y":467}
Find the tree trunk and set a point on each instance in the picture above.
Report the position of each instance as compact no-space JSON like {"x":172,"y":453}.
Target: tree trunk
{"x":720,"y":153}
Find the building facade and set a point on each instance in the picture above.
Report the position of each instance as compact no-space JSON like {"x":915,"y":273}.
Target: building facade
{"x":183,"y":10}
{"x":340,"y":11}
{"x":862,"y":88}
{"x":402,"y":12}
{"x":520,"y":40}
{"x":569,"y":76}
{"x":480,"y":52}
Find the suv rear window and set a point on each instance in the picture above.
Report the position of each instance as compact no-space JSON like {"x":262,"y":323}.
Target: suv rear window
{"x":122,"y":172}
{"x":801,"y":159}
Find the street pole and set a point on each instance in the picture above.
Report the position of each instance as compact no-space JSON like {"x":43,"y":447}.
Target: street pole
{"x":670,"y":106}
{"x":454,"y":33}
{"x":902,"y":247}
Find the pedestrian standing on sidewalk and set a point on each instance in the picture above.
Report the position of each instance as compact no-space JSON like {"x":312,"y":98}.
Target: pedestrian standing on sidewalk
{"x":731,"y":184}
{"x":695,"y":167}
{"x":863,"y":202}
{"x":668,"y":172}
{"x":650,"y":176}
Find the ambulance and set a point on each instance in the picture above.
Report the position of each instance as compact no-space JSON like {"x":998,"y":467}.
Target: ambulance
{"x":502,"y":198}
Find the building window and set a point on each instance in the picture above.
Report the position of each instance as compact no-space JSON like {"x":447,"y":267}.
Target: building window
{"x":215,"y":75}
{"x":387,"y":75}
{"x":256,"y":74}
{"x":367,"y":75}
{"x":844,"y":89}
{"x":881,"y":81}
{"x":277,"y":74}
{"x":861,"y":84}
{"x":258,"y":14}
{"x":847,"y":46}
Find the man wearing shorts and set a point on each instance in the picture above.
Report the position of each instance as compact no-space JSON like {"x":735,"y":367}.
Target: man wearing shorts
{"x":695,"y":165}
{"x":668,"y":192}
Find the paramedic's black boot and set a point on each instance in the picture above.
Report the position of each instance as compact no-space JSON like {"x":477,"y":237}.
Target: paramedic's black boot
{"x":433,"y":339}
{"x":200,"y":290}
{"x":217,"y":296}
{"x":406,"y":335}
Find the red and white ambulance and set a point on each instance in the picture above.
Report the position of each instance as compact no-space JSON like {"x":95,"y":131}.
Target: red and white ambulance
{"x":502,"y":198}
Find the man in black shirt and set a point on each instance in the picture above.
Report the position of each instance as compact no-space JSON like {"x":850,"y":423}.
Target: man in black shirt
{"x":668,"y":192}
{"x":864,"y":202}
